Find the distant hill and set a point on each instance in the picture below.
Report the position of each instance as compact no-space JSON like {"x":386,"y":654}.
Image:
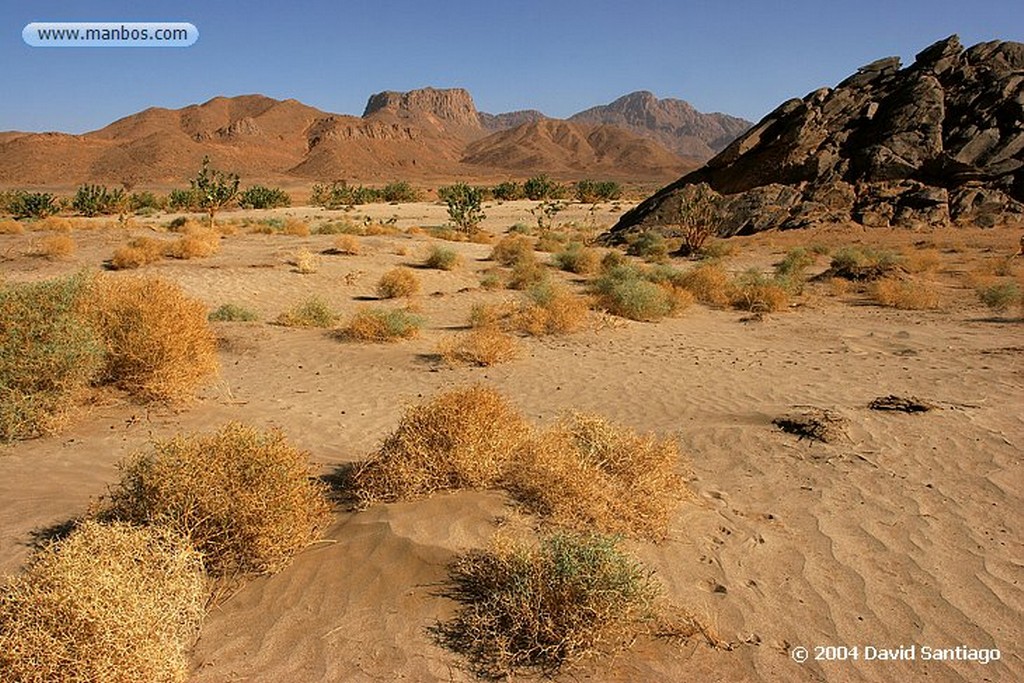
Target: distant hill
{"x":675,"y":124}
{"x":421,"y":134}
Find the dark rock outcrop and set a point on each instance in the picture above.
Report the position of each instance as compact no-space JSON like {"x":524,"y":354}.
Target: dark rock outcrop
{"x":939,"y":141}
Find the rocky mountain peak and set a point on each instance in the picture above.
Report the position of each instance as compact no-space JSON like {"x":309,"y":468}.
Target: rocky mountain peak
{"x":941,"y":140}
{"x":450,"y":105}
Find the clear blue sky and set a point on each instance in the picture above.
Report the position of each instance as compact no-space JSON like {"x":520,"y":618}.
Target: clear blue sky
{"x":741,"y":57}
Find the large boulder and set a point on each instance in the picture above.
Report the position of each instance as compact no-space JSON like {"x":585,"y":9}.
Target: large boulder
{"x":937,"y":142}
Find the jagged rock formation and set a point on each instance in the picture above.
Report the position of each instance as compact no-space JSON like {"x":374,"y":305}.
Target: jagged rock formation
{"x":511,"y":119}
{"x":673,"y":123}
{"x":937,"y":142}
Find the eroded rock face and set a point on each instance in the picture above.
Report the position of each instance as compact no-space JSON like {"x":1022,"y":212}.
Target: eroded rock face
{"x":939,"y":141}
{"x":452,"y":105}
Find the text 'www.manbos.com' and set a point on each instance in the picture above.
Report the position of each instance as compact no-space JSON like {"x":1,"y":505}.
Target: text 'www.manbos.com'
{"x":110,"y":34}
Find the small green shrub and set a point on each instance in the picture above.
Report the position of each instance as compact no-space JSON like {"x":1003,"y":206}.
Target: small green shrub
{"x":182,"y":200}
{"x":442,"y":258}
{"x":864,"y":263}
{"x":464,"y":206}
{"x":576,"y":258}
{"x":233,"y":313}
{"x":313,"y":312}
{"x":96,"y":200}
{"x":1001,"y":296}
{"x":49,"y":355}
{"x":795,"y":263}
{"x":213,"y":190}
{"x":624,"y":291}
{"x":260,"y":197}
{"x":33,"y":205}
{"x":649,"y":246}
{"x":592,"y":191}
{"x":541,"y":607}
{"x":378,"y":324}
{"x":542,"y":187}
{"x":400,"y":192}
{"x":509,"y":190}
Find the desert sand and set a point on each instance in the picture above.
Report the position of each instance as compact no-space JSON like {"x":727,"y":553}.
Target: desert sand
{"x":905,"y":532}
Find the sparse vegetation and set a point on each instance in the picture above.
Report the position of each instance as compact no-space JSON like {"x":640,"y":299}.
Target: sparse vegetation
{"x":508,"y":191}
{"x":379,"y":324}
{"x":551,"y":309}
{"x":347,"y":244}
{"x":863,"y":263}
{"x":593,"y":191}
{"x":108,"y":603}
{"x":306,"y":262}
{"x":213,"y":190}
{"x":649,"y":245}
{"x":139,"y":251}
{"x":54,"y":247}
{"x":313,"y":312}
{"x":540,"y":607}
{"x":541,"y":187}
{"x":527,"y":273}
{"x":32,"y":205}
{"x":398,"y":282}
{"x":512,"y":249}
{"x":709,"y":283}
{"x":245,"y":498}
{"x":400,"y":191}
{"x":755,"y":292}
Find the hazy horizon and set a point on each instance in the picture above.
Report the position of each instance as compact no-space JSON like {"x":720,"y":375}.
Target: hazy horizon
{"x":743,"y":59}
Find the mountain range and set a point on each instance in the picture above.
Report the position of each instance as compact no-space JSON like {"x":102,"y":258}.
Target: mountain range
{"x":427,"y":134}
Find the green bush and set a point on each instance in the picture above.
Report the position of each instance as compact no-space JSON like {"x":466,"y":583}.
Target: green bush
{"x":795,"y":263}
{"x":399,"y":192}
{"x":233,"y":313}
{"x":213,"y":189}
{"x":628,"y":292}
{"x":508,"y":191}
{"x":95,"y":200}
{"x":649,"y":245}
{"x":576,"y":258}
{"x":542,"y":187}
{"x":260,"y":197}
{"x":999,"y":297}
{"x":464,"y":206}
{"x":33,"y":205}
{"x":525,"y":606}
{"x":313,"y":312}
{"x":182,"y":200}
{"x":379,"y":324}
{"x":442,"y":258}
{"x":49,"y":355}
{"x":593,"y":191}
{"x":145,"y":201}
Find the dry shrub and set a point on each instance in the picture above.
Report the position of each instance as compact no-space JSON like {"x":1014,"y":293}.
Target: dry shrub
{"x":52,"y":224}
{"x":709,"y":283}
{"x":624,"y":291}
{"x":306,"y":262}
{"x":347,"y":244}
{"x":9,"y":227}
{"x":313,"y":312}
{"x":512,"y":249}
{"x":578,"y":259}
{"x":398,"y":282}
{"x":483,"y":346}
{"x":485,"y":315}
{"x":909,"y":295}
{"x":159,"y":344}
{"x":195,"y":243}
{"x":838,"y":286}
{"x":463,"y":438}
{"x":49,"y":355}
{"x":588,"y":473}
{"x":245,"y":498}
{"x":922,"y":260}
{"x":552,"y":310}
{"x":55,"y":247}
{"x":1000,"y":296}
{"x":758,"y":293}
{"x":111,"y":603}
{"x":138,"y":252}
{"x":296,"y":227}
{"x":376,"y":324}
{"x":230,"y":312}
{"x":527,"y":273}
{"x":543,"y":606}
{"x":491,"y":281}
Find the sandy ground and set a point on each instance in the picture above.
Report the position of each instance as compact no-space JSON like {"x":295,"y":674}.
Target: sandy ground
{"x":906,"y":533}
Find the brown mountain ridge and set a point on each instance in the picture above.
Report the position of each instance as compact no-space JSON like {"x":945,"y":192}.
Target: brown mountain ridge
{"x":424,"y":134}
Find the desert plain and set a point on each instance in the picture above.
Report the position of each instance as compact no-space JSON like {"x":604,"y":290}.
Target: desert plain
{"x":904,"y":529}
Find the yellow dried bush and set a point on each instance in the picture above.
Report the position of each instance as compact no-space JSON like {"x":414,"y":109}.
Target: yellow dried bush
{"x":158,"y":341}
{"x":463,"y":438}
{"x":58,"y":246}
{"x":247,"y":499}
{"x":909,"y":295}
{"x":398,"y":282}
{"x":482,"y":346}
{"x":112,"y":603}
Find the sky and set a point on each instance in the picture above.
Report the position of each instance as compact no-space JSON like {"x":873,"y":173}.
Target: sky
{"x":741,"y":57}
